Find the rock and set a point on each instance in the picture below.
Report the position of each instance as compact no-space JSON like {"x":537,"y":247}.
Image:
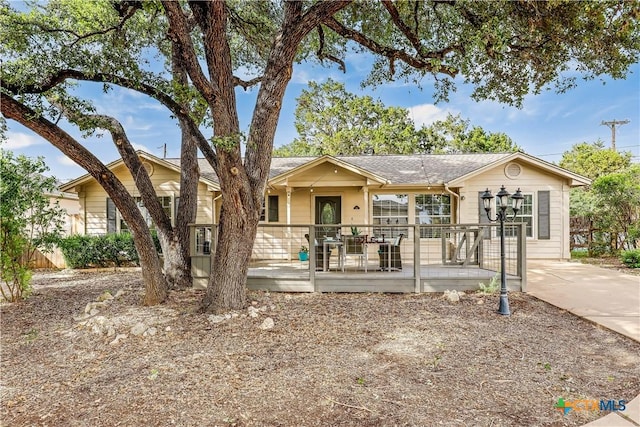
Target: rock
{"x":94,"y":311}
{"x":111,"y":330}
{"x":268,"y":323}
{"x":288,"y":297}
{"x":167,"y":329}
{"x":254,"y":302}
{"x":82,"y":317}
{"x":150,"y":332}
{"x":480,"y":301}
{"x":88,"y":307}
{"x":119,"y":293}
{"x":117,"y":339}
{"x":138,"y":329}
{"x":106,"y":296}
{"x":253,"y":312}
{"x":218,"y":318}
{"x":452,"y":296}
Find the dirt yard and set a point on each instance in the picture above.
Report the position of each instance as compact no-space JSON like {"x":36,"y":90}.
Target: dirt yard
{"x":75,"y":355}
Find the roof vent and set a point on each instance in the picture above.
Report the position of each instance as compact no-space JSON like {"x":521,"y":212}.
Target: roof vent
{"x":513,"y":170}
{"x":149,"y":167}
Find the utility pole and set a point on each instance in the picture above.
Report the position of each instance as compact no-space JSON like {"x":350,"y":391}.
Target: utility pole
{"x":612,"y":124}
{"x":164,"y":153}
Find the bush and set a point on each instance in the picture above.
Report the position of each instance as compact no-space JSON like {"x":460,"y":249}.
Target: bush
{"x":631,"y":258}
{"x":99,"y":251}
{"x":491,"y":287}
{"x":579,"y":254}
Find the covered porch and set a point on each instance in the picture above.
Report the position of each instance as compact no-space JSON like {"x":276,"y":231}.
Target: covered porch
{"x":403,"y":258}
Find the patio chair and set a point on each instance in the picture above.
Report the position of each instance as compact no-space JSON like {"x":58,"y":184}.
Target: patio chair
{"x":319,"y":252}
{"x":396,"y":260}
{"x":355,"y":246}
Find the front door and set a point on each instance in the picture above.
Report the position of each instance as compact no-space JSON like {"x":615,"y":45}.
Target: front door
{"x":328,"y":213}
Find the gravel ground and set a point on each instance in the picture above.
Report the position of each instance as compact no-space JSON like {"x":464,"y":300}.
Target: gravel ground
{"x":83,"y":352}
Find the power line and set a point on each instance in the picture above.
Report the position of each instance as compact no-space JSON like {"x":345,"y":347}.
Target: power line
{"x":612,"y":124}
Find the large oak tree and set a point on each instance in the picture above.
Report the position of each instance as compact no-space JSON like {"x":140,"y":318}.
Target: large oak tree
{"x":506,"y":49}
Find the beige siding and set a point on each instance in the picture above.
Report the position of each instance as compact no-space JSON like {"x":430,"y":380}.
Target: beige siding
{"x":530,"y":181}
{"x":93,"y":198}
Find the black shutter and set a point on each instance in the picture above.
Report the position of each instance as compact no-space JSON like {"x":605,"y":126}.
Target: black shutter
{"x":111,"y":217}
{"x":544,"y":223}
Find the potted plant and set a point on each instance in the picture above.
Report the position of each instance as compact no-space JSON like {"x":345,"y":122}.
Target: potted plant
{"x":355,"y":231}
{"x":303,"y":254}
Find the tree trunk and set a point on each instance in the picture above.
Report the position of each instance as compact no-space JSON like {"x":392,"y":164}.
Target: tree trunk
{"x":242,"y":182}
{"x":226,"y":289}
{"x":156,"y":287}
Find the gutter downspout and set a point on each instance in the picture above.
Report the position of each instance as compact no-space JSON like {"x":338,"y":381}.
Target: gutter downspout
{"x":457,"y":196}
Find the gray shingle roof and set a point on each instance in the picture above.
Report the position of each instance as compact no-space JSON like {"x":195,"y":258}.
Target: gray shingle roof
{"x":426,"y":168}
{"x":431,"y":169}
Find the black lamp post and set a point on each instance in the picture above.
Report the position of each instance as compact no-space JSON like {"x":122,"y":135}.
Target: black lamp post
{"x":502,"y":203}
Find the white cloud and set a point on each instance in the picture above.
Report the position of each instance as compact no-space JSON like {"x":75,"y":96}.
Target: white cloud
{"x":64,"y":160}
{"x":143,"y":148}
{"x":426,"y":114}
{"x":18,"y":140}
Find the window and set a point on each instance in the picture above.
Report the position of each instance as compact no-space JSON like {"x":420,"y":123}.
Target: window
{"x":114,"y":217}
{"x":525,"y":214}
{"x":272,"y":208}
{"x":392,"y":210}
{"x":432,"y":209}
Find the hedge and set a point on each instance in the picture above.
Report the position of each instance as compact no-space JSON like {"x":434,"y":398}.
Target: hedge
{"x":82,"y":251}
{"x":631,"y":258}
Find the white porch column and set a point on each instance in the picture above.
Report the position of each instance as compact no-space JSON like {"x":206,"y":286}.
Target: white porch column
{"x":288,"y":205}
{"x":288,"y":232}
{"x":365,"y":192}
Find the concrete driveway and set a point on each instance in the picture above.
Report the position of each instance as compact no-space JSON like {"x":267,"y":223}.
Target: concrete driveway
{"x":604,"y":296}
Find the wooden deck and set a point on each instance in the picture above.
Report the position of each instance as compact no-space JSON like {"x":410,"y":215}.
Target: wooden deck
{"x":461,"y":258}
{"x":295,"y":276}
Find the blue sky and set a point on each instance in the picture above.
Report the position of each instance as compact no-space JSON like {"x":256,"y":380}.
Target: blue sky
{"x":546,"y":126}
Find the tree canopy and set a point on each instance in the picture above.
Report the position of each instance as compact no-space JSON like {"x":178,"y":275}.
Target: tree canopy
{"x":505,"y":49}
{"x":594,"y":160}
{"x":331,"y":120}
{"x":456,"y":135}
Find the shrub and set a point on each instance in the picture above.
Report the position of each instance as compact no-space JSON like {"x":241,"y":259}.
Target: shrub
{"x":491,"y":287}
{"x":78,"y":251}
{"x":579,"y":254}
{"x":99,"y":251}
{"x":631,"y":258}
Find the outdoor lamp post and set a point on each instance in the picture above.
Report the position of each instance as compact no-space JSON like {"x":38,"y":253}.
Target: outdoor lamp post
{"x":502,"y":203}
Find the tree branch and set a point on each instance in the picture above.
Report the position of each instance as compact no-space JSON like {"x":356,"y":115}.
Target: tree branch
{"x":178,"y":34}
{"x":131,"y":160}
{"x":245,"y":84}
{"x":322,"y":55}
{"x":398,"y":22}
{"x":62,"y":75}
{"x":391,"y":53}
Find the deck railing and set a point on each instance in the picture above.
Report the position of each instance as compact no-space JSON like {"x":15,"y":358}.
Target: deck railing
{"x":364,"y":257}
